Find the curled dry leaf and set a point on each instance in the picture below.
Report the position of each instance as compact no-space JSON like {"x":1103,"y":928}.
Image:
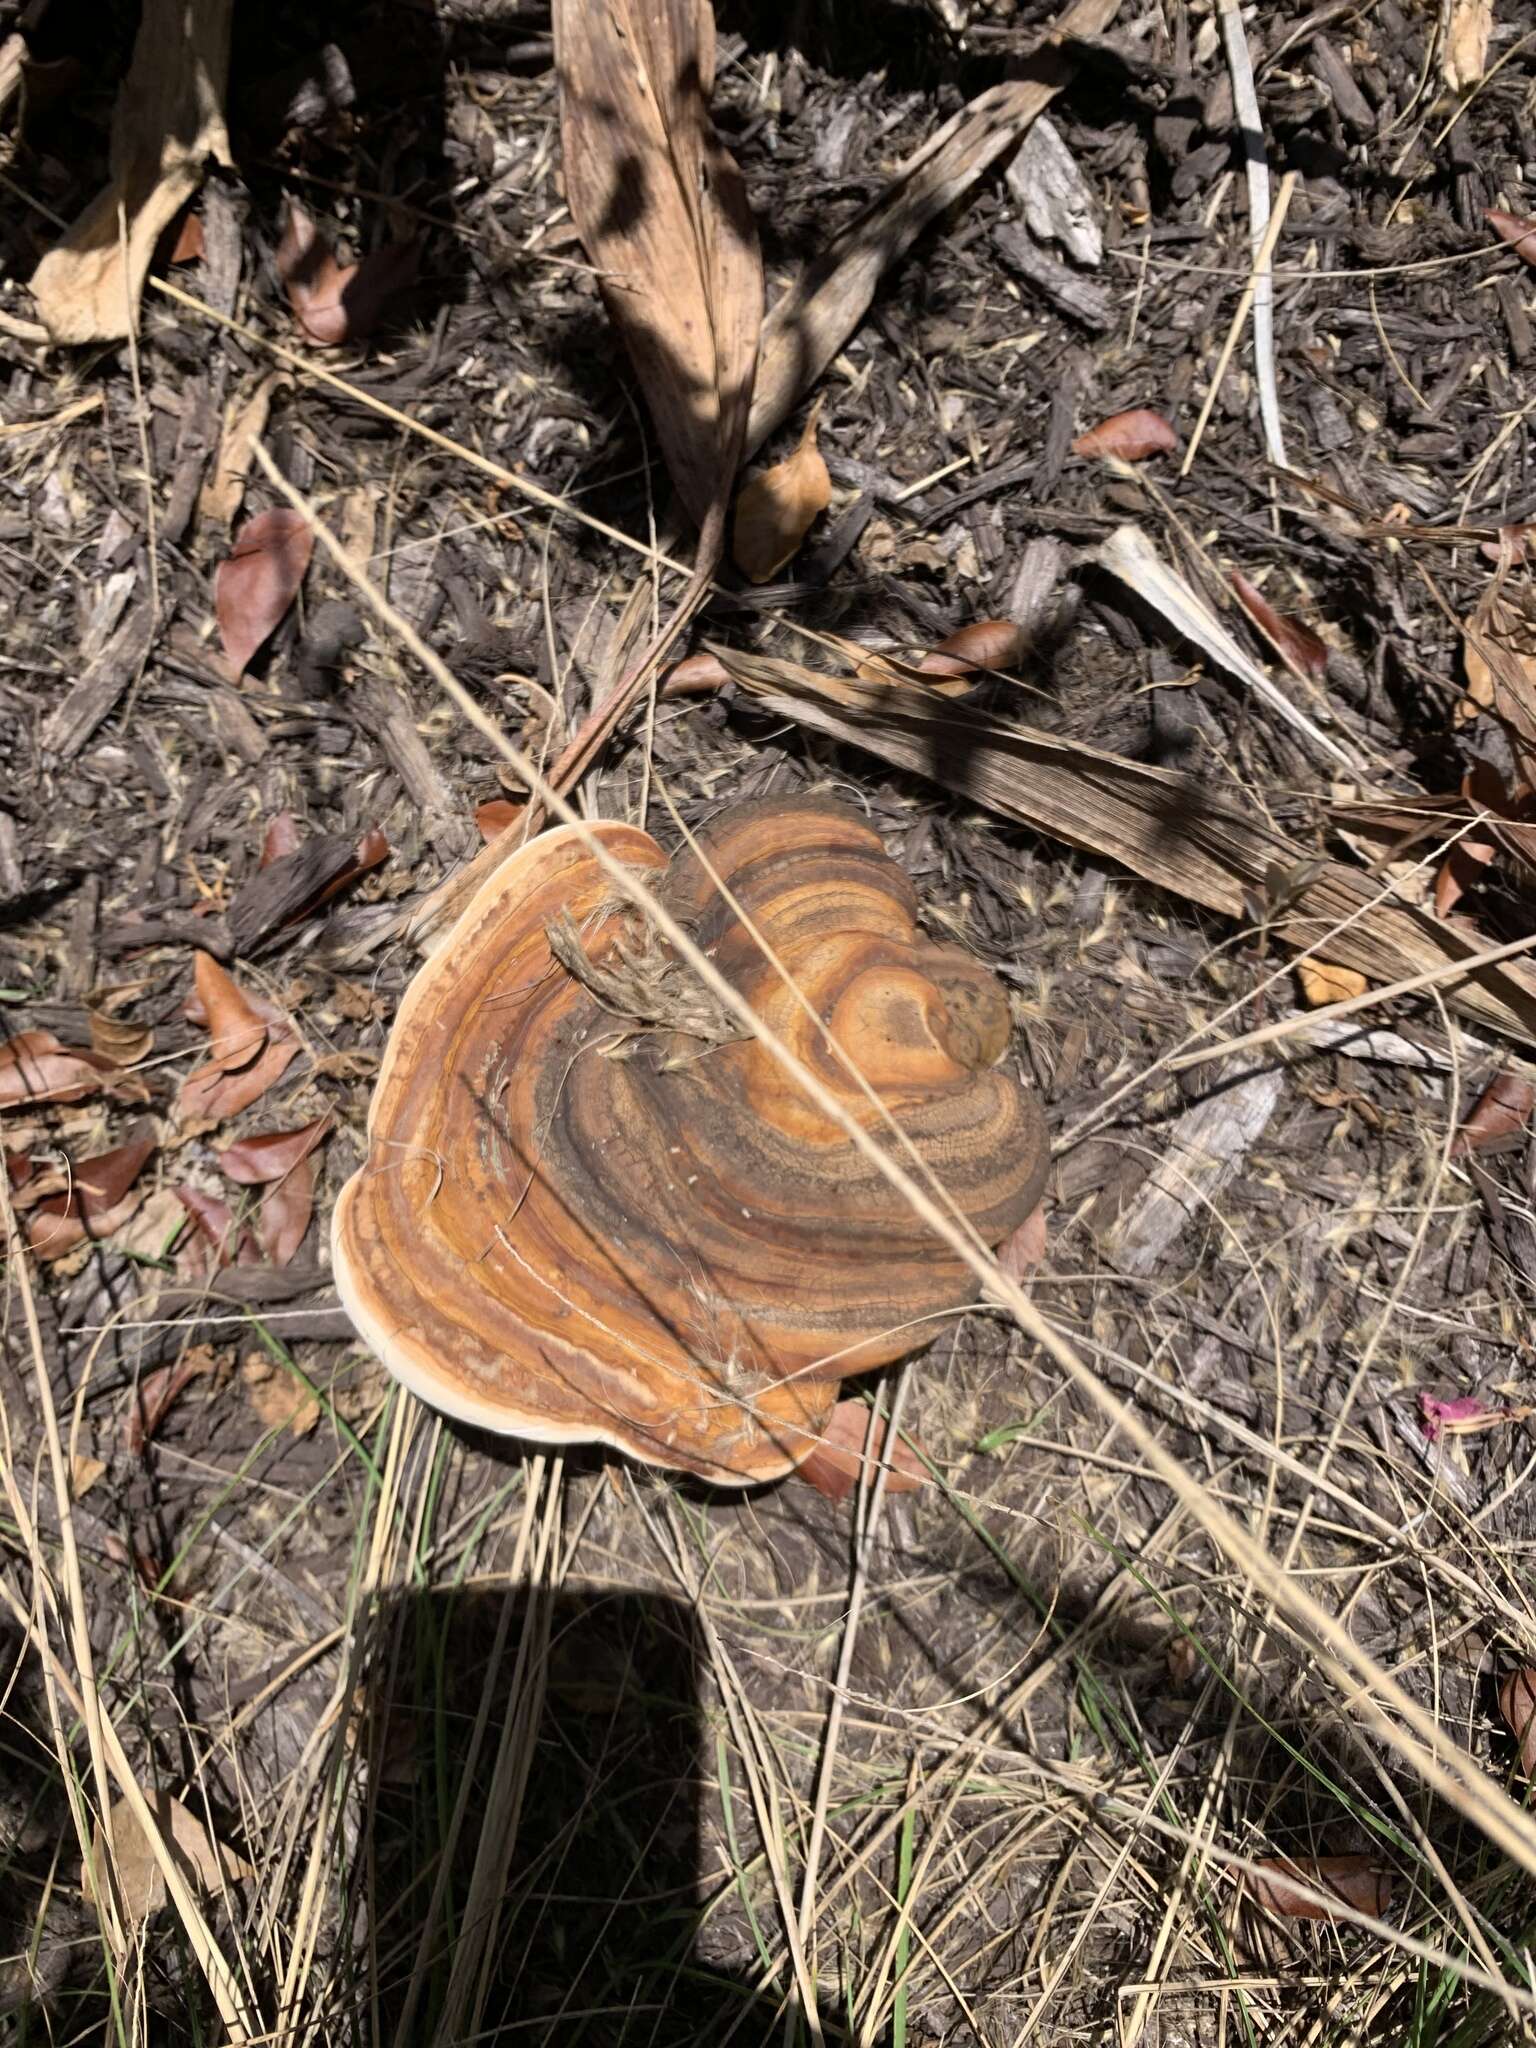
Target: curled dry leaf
{"x":1296,"y":644}
{"x":35,"y":1067}
{"x":281,"y":838}
{"x":214,"y":1220}
{"x":1460,"y":869}
{"x":205,"y":1863}
{"x":1512,"y":541}
{"x":1133,"y":436}
{"x":1359,"y":1882}
{"x":256,"y":1161}
{"x":188,"y":245}
{"x":252,"y":1044}
{"x":495,"y":816}
{"x":984,"y":644}
{"x":1517,"y":230}
{"x":258,"y":580}
{"x":338,"y":302}
{"x":1517,"y":1703}
{"x":1322,"y":983}
{"x":778,"y":507}
{"x":696,"y":675}
{"x":836,"y":1459}
{"x":661,"y":209}
{"x":1019,"y":1254}
{"x":99,"y":1198}
{"x":157,"y":1391}
{"x":280,"y":1400}
{"x":1503,"y":1108}
{"x":167,"y":123}
{"x":115,"y":1038}
{"x":286,"y":1209}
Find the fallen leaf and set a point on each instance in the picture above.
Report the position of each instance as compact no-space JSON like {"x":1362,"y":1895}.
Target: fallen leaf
{"x":1298,"y":645}
{"x":1133,"y":436}
{"x":835,"y":1463}
{"x":245,"y":421}
{"x":251,"y":1044}
{"x":188,"y":245}
{"x":258,"y":580}
{"x":1512,"y":541}
{"x":84,"y":1473}
{"x":256,"y":1161}
{"x":984,"y":644}
{"x":114,"y":1038}
{"x":1503,"y":1108}
{"x":1184,"y":1661}
{"x":156,"y":1392}
{"x":1517,"y":230}
{"x":215,"y":1222}
{"x":153,"y":1228}
{"x":1517,"y":1703}
{"x":338,"y":302}
{"x":696,"y":675}
{"x":280,"y":1401}
{"x":1019,"y":1254}
{"x":1322,"y":983}
{"x":1359,"y":1882}
{"x":778,"y":507}
{"x":495,"y":816}
{"x":662,"y":212}
{"x":204,"y":1863}
{"x":97,"y":1201}
{"x":281,"y":838}
{"x":286,"y":1209}
{"x":1464,"y":53}
{"x":167,"y":123}
{"x":35,"y":1067}
{"x":1460,"y":870}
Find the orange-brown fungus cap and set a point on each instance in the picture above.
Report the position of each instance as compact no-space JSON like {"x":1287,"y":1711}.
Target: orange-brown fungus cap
{"x":591,"y":1213}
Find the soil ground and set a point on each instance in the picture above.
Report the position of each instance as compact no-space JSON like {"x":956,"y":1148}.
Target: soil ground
{"x":314,"y":1608}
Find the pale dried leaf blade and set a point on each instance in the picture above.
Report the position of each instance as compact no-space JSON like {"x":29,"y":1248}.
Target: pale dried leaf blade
{"x":663,"y":214}
{"x":1464,"y":57}
{"x":245,"y":421}
{"x":1323,"y":983}
{"x":169,"y":121}
{"x":816,"y":315}
{"x":1167,"y":828}
{"x":778,"y":507}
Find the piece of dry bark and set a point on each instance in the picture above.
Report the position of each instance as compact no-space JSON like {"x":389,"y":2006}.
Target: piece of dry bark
{"x":168,"y":123}
{"x":1199,"y":1155}
{"x":1055,"y":199}
{"x":70,"y":724}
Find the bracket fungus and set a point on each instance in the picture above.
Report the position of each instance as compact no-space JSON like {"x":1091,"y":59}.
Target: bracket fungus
{"x":593,"y":1210}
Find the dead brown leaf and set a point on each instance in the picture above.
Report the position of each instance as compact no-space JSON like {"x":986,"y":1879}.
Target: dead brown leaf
{"x":662,"y":212}
{"x":1517,"y":230}
{"x":338,"y":302}
{"x":984,"y":644}
{"x":1297,"y":645}
{"x":1503,"y":1108}
{"x":281,"y":838}
{"x":1517,"y":1703}
{"x":115,"y":1038}
{"x":496,"y":815}
{"x":203,"y":1862}
{"x":155,"y":1393}
{"x":98,"y":1199}
{"x":286,"y":1209}
{"x":218,"y":1236}
{"x":258,"y":580}
{"x":188,"y":245}
{"x":35,"y":1067}
{"x":778,"y":507}
{"x":1360,"y":1882}
{"x":835,"y":1463}
{"x":168,"y":123}
{"x":1019,"y":1254}
{"x":280,"y":1401}
{"x":256,"y":1161}
{"x":245,"y":421}
{"x":1132,"y":436}
{"x":251,"y":1043}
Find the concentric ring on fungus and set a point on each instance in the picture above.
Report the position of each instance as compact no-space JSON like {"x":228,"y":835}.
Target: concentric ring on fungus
{"x":592,"y":1214}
